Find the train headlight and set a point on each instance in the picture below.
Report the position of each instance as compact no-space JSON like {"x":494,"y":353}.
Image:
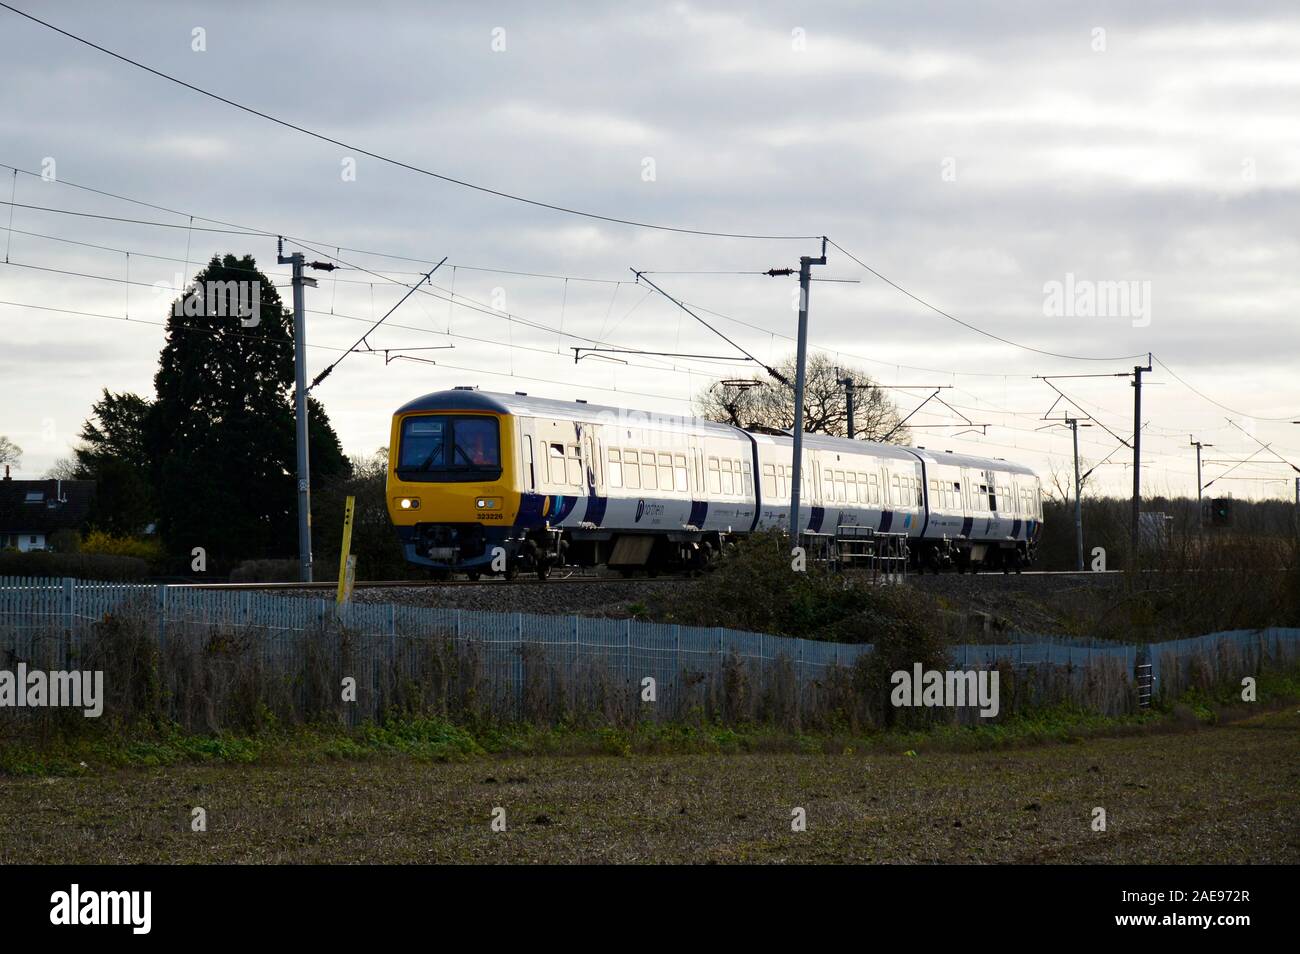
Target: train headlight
{"x":488,"y":503}
{"x":409,"y":503}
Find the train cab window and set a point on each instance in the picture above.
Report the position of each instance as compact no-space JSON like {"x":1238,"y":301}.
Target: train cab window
{"x":441,"y":447}
{"x":615,"y":468}
{"x":715,"y":476}
{"x":679,"y":473}
{"x":631,"y":470}
{"x":648,"y":480}
{"x":747,"y":477}
{"x":769,"y":481}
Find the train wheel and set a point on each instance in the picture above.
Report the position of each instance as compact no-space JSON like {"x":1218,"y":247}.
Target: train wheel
{"x":474,"y":576}
{"x":511,"y":571}
{"x":543,"y":568}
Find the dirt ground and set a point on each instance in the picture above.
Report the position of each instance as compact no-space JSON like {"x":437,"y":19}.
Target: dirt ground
{"x":1228,"y":795}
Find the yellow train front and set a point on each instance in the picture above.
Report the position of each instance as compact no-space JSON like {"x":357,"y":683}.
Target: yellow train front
{"x":451,"y":487}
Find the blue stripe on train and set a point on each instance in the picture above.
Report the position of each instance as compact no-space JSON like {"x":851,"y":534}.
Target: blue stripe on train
{"x":699,"y":513}
{"x":1015,"y":529}
{"x":966,"y":526}
{"x":886,"y":521}
{"x":815,"y":518}
{"x":596,"y":509}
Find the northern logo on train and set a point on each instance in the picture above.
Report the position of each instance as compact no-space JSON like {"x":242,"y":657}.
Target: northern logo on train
{"x":640,"y":510}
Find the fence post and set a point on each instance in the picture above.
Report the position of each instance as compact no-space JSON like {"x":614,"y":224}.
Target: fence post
{"x":519,"y":666}
{"x":627,"y":653}
{"x":69,"y":619}
{"x":677,"y":667}
{"x":161,"y":604}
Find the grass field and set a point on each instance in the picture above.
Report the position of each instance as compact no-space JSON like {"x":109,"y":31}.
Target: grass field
{"x":1227,"y":794}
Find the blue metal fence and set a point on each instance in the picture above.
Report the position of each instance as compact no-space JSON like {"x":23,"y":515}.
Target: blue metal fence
{"x":45,"y":621}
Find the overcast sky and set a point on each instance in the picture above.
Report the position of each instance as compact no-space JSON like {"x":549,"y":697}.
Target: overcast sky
{"x":973,"y":153}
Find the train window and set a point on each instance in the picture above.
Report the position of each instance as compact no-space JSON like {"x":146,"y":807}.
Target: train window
{"x":573,"y":466}
{"x":648,"y":481}
{"x":920,"y":491}
{"x":631,"y":470}
{"x":769,"y":481}
{"x":853,"y":487}
{"x":615,"y":467}
{"x":665,"y":471}
{"x":828,"y":482}
{"x":715,"y":477}
{"x":728,"y":484}
{"x":841,"y":492}
{"x":555,"y":463}
{"x":747,"y":477}
{"x":679,"y":472}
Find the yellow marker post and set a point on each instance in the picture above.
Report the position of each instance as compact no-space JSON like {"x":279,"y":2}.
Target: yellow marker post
{"x":347,"y":563}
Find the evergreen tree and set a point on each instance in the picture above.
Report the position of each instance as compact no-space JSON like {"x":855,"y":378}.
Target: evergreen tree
{"x":221,"y":431}
{"x":114,"y":454}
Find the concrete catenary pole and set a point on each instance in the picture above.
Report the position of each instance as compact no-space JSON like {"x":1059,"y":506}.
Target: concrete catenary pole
{"x":847,"y":381}
{"x":300,"y":411}
{"x":801,"y":356}
{"x":1078,"y":496}
{"x":1137,"y":452}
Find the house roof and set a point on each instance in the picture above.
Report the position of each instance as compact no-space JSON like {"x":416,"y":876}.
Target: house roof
{"x":42,"y":506}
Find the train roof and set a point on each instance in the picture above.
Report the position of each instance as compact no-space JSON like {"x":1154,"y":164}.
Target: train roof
{"x":842,"y":445}
{"x":467,"y":399}
{"x":526,"y":405}
{"x":969,"y":460}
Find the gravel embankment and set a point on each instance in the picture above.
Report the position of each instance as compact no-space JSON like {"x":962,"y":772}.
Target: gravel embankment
{"x":555,"y":596}
{"x":1027,"y":603}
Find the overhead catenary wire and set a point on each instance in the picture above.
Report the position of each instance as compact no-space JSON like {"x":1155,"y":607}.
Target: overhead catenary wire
{"x":388,"y":159}
{"x":975,"y":328}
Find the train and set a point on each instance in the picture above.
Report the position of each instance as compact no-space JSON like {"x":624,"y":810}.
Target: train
{"x":491,"y":483}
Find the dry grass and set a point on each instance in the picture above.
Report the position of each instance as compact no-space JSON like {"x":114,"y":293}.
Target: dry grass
{"x":1225,"y":795}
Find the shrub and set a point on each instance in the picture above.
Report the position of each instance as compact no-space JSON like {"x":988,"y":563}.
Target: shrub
{"x":97,"y":541}
{"x":84,"y":566}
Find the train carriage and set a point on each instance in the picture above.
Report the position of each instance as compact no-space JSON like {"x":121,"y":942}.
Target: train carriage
{"x":481,"y":482}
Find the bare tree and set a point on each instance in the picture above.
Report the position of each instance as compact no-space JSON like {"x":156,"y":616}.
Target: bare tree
{"x":1059,"y":486}
{"x":10,"y":453}
{"x":65,"y":468}
{"x":769,"y":403}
